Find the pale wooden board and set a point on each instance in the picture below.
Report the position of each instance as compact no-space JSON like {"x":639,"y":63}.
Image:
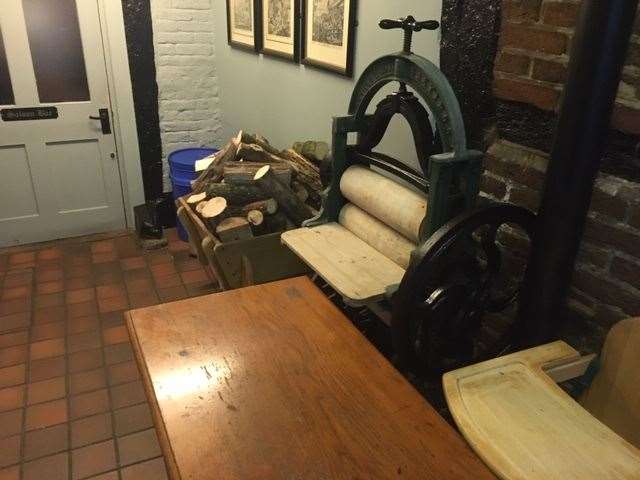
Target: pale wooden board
{"x":524,"y":426}
{"x":614,"y":396}
{"x":355,"y":270}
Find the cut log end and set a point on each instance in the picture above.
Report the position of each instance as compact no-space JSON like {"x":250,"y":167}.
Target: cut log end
{"x":197,"y":198}
{"x":262,"y":171}
{"x":255,"y":218}
{"x":214,"y":207}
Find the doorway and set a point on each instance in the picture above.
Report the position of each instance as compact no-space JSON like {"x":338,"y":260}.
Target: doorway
{"x":60,"y":171}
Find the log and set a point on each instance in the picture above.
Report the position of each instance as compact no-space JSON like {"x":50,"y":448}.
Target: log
{"x":212,"y":211}
{"x":237,"y":194}
{"x":193,"y":200}
{"x":266,"y":207}
{"x":260,"y":141}
{"x":251,"y":152}
{"x":234,"y":228}
{"x":300,"y":190}
{"x":276,"y":223}
{"x":297,"y":211}
{"x":213,"y":172}
{"x":243,"y":172}
{"x":256,"y":221}
{"x":305,"y":171}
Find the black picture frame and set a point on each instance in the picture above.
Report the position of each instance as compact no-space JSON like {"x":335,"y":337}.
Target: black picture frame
{"x":295,"y":56}
{"x":257,"y":32}
{"x":352,"y":24}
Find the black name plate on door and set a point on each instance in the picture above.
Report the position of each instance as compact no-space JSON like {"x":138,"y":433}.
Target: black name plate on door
{"x":31,"y":113}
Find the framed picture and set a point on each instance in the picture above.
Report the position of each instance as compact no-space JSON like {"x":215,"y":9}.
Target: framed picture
{"x":279,"y":28}
{"x":328,"y":34}
{"x":241,"y":24}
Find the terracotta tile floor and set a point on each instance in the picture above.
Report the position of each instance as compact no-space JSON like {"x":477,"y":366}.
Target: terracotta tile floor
{"x":72,"y":405}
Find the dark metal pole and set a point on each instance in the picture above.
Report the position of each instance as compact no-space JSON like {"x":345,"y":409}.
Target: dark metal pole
{"x":597,"y":58}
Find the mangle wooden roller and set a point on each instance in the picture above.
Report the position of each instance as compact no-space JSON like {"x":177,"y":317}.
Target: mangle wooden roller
{"x":408,"y":243}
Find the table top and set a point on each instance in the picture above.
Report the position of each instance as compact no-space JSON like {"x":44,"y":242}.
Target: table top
{"x":273,"y":382}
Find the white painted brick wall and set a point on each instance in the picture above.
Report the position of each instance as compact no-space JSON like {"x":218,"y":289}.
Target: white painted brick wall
{"x":188,"y":91}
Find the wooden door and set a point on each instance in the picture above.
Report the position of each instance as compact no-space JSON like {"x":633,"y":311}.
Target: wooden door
{"x":59,"y":174}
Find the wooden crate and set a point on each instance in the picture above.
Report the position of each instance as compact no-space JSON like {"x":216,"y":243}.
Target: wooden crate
{"x":257,"y":260}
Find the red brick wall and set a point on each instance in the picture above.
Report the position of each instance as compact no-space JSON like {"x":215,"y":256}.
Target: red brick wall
{"x":531,"y":67}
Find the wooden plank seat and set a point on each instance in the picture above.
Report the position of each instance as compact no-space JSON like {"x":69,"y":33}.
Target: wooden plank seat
{"x":353,"y":268}
{"x":524,"y":426}
{"x":274,"y":382}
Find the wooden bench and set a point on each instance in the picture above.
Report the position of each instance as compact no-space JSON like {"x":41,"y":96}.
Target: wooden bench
{"x":273,"y":382}
{"x":524,"y":426}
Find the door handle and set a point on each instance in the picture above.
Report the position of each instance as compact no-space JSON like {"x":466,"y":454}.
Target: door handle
{"x":105,"y":122}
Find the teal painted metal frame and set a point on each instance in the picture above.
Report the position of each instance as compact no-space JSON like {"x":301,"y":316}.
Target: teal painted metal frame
{"x":452,"y":177}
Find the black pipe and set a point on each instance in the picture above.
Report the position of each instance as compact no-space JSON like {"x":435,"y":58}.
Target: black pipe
{"x":597,"y":58}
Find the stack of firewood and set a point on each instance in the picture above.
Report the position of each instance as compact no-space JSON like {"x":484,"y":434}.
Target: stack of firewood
{"x":251,"y":188}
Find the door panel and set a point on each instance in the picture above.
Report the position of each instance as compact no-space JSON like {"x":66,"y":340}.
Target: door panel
{"x":56,"y":58}
{"x":83,"y":160}
{"x":19,"y":198}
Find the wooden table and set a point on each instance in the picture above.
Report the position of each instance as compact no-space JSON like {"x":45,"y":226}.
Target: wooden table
{"x":273,"y":382}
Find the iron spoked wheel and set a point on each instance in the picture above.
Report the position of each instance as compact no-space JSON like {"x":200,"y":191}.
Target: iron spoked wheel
{"x":457,"y":281}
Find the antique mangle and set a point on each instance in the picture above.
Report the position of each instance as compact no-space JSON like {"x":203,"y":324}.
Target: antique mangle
{"x":412,"y":241}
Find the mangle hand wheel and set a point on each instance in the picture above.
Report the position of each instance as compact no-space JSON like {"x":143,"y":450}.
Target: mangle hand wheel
{"x":449,"y":289}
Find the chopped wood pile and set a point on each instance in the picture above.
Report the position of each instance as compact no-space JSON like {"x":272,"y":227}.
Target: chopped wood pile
{"x":251,"y":188}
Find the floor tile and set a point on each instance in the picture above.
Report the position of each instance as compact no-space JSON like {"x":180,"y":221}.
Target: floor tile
{"x":78,"y":283}
{"x":47,"y":368}
{"x":18,"y":279}
{"x":12,"y":398}
{"x":14,"y":321}
{"x":15,"y":305}
{"x":123,"y":373}
{"x":85,"y":360}
{"x":49,"y":254}
{"x":143,"y":299}
{"x":49,"y":315}
{"x":149,"y":470}
{"x":87,"y":381}
{"x":50,"y":287}
{"x":13,"y":355}
{"x":49,"y":275}
{"x":46,"y":390}
{"x":108,"y":278}
{"x":47,"y":348}
{"x":83,"y":324}
{"x":22,"y":257}
{"x":93,"y":459}
{"x":46,"y":441}
{"x":139,"y":446}
{"x":127,"y":394}
{"x":163,"y":269}
{"x":168,"y":281}
{"x":91,"y":430}
{"x":132,"y":419}
{"x":55,"y":467}
{"x":47,"y":331}
{"x":103,"y":246}
{"x":112,"y":319}
{"x":82,"y":309}
{"x":16,"y":292}
{"x":114,"y":335}
{"x":119,"y":353}
{"x":14,"y":375}
{"x":106,"y":305}
{"x":46,"y":414}
{"x":14,"y":338}
{"x":139,"y":285}
{"x":172,"y":294}
{"x":133,"y":263}
{"x":49,"y":300}
{"x":11,"y":422}
{"x":108,"y":291}
{"x":13,"y":473}
{"x":83,"y":341}
{"x":194,"y":276}
{"x":88,"y":404}
{"x":9,"y":450}
{"x":80,"y":296}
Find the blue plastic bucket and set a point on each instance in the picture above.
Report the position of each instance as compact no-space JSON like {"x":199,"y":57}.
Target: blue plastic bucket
{"x":182,"y":172}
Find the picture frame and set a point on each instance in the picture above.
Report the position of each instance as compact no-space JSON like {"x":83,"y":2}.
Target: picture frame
{"x":279,"y":28}
{"x":328,"y":34}
{"x":243,"y":25}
